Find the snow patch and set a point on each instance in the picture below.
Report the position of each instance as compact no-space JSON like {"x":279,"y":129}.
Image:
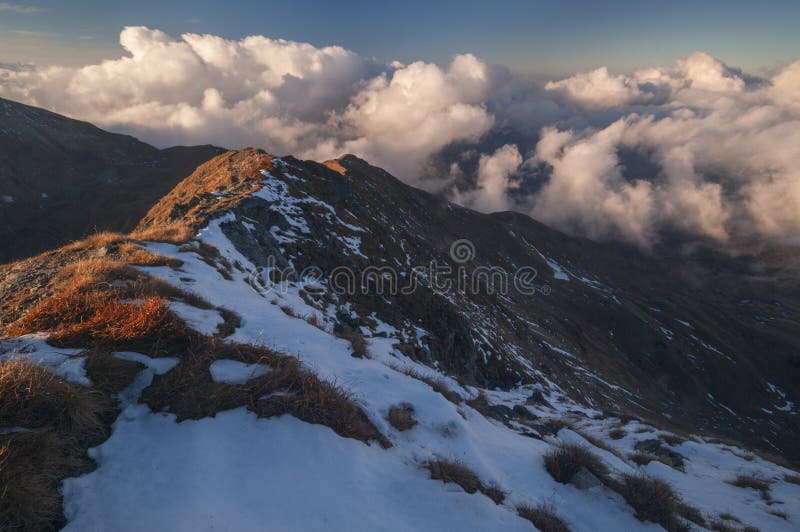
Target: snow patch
{"x":235,"y":372}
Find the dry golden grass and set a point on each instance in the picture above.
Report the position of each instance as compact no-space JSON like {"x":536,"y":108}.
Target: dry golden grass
{"x":60,"y":421}
{"x":194,"y":200}
{"x":543,"y":517}
{"x":617,"y":434}
{"x":33,"y":398}
{"x":750,"y":481}
{"x":455,"y":472}
{"x":108,"y":373}
{"x":139,"y":256}
{"x":97,"y":240}
{"x":563,"y":462}
{"x":458,"y":473}
{"x":189,"y":392}
{"x":173,"y":233}
{"x":32,"y":465}
{"x":88,"y":319}
{"x":402,"y":417}
{"x":652,"y":499}
{"x":103,"y":302}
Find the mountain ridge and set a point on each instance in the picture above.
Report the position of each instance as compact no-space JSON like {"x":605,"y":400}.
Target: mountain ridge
{"x":645,"y":302}
{"x":61,"y":179}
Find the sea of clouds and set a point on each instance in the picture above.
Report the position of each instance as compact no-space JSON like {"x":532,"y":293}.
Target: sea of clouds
{"x":695,"y":148}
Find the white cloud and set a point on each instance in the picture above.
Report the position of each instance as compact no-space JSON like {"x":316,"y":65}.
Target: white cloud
{"x":491,"y":193}
{"x":599,"y":90}
{"x":723,"y":149}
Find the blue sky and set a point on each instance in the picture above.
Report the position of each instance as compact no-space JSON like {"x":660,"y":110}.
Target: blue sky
{"x":541,"y":36}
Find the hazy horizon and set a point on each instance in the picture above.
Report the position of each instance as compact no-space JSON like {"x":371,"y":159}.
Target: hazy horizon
{"x":546,"y":38}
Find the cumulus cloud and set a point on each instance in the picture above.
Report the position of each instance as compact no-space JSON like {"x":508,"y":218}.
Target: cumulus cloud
{"x":286,"y":96}
{"x":494,"y":171}
{"x":696,"y":147}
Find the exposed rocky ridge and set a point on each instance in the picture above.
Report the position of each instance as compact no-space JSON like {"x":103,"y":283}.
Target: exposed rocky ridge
{"x":61,"y":179}
{"x":682,"y":344}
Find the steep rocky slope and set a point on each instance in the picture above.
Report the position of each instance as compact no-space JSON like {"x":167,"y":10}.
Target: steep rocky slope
{"x":61,"y":179}
{"x":673,"y":341}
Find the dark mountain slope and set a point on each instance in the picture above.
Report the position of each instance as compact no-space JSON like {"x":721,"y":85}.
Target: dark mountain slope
{"x":701,"y":346}
{"x":61,"y":179}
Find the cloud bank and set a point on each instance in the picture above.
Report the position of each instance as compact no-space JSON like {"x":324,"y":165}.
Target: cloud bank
{"x":696,"y":147}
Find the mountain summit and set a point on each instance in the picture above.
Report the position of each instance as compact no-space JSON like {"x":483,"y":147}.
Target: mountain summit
{"x":304,"y":345}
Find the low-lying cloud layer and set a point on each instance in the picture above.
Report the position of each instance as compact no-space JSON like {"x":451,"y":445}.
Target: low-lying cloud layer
{"x":696,"y":147}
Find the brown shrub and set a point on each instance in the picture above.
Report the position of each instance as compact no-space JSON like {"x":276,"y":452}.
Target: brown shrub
{"x":543,"y":517}
{"x":791,"y":479}
{"x":33,"y":398}
{"x":672,"y":439}
{"x":58,"y":422}
{"x":690,"y":513}
{"x":494,"y":492}
{"x":108,"y":373}
{"x":563,"y":462}
{"x":189,"y":392}
{"x":356,"y":339}
{"x":456,"y":472}
{"x":617,"y":434}
{"x":402,"y":417}
{"x":652,"y":499}
{"x":750,"y":481}
{"x":32,"y":466}
{"x":230,"y":322}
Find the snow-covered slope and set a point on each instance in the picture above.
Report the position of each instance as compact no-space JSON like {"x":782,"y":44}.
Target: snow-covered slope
{"x":522,"y":394}
{"x":237,"y":472}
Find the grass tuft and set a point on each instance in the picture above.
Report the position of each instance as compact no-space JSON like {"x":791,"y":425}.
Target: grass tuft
{"x":53,"y":422}
{"x":543,"y":517}
{"x":402,"y":417}
{"x":33,"y":398}
{"x":751,"y":481}
{"x":189,"y":392}
{"x":564,"y":462}
{"x":174,"y":233}
{"x":617,"y":434}
{"x":457,"y":472}
{"x":653,"y":500}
